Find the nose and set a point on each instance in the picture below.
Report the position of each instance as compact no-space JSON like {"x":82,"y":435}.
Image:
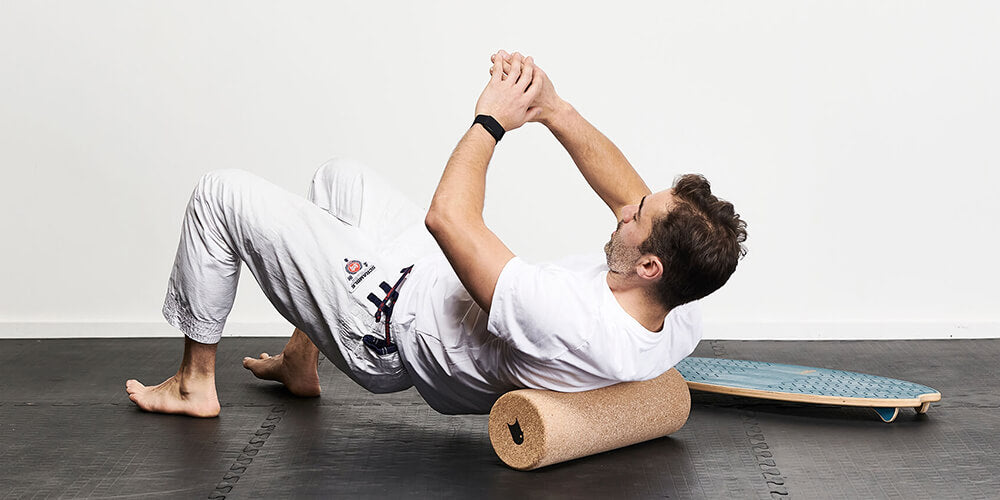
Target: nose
{"x":628,"y":215}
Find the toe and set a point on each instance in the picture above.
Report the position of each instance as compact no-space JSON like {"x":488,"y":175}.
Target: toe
{"x":264,"y":355}
{"x":133,"y":386}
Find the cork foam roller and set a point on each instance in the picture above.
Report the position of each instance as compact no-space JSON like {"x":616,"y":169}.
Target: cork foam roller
{"x":532,"y":428}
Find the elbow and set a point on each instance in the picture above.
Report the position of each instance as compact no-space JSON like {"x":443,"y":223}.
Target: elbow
{"x":435,"y":221}
{"x":439,"y":222}
{"x":431,"y":221}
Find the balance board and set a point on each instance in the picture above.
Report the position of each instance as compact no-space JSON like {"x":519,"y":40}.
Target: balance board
{"x":804,"y":384}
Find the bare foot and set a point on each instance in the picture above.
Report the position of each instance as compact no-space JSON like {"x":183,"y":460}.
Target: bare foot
{"x":195,"y":397}
{"x":297,"y":371}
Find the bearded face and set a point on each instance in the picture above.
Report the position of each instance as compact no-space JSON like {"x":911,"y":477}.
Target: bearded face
{"x":621,"y":256}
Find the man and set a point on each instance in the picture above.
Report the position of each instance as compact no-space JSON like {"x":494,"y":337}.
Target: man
{"x":444,"y":305}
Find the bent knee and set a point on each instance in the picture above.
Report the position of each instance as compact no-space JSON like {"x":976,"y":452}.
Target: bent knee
{"x":337,"y":170}
{"x":225,"y":177}
{"x":223,"y":183}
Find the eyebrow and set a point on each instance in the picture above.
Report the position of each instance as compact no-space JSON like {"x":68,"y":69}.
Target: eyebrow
{"x":639,"y":211}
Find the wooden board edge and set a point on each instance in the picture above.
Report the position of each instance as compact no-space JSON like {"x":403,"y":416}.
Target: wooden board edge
{"x":814,"y":398}
{"x":931,"y":397}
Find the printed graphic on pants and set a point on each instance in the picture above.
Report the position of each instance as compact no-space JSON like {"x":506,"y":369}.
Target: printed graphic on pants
{"x":357,"y":271}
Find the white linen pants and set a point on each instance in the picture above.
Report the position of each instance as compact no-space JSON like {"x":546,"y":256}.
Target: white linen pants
{"x":324,"y":263}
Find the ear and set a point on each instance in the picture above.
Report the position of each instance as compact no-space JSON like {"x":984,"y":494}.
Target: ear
{"x":649,"y":267}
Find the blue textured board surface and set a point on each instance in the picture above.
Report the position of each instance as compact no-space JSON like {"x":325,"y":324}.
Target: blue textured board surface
{"x":779,"y":379}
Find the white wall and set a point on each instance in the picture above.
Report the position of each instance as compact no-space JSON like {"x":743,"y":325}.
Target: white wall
{"x":858,"y":139}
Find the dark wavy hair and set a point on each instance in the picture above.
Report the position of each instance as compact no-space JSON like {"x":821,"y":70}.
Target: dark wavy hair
{"x":699,"y":242}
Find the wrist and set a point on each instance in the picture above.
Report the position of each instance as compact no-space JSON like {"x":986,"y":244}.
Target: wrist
{"x":490,"y":125}
{"x":560,"y":112}
{"x":479,"y":133}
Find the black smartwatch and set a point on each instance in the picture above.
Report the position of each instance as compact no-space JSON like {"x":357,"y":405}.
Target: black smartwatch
{"x":491,"y":125}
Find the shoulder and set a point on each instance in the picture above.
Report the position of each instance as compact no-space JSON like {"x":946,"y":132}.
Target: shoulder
{"x":621,"y":349}
{"x":544,"y":309}
{"x":686,"y":318}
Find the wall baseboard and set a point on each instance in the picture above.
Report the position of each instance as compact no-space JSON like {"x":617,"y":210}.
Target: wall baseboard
{"x":835,"y":330}
{"x":66,"y":330}
{"x":719,"y":330}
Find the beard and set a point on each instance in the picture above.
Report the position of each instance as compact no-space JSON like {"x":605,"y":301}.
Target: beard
{"x":621,"y":257}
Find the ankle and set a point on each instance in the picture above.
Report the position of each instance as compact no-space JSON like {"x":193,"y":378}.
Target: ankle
{"x":300,"y":351}
{"x":191,"y":379}
{"x":297,"y":358}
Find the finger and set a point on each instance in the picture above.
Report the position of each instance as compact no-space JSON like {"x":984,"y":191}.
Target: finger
{"x":526,"y":74}
{"x":505,"y":61}
{"x":515,"y":68}
{"x":503,"y":57}
{"x":534,"y":88}
{"x":506,"y":70}
{"x":538,"y":76}
{"x":496,"y":71}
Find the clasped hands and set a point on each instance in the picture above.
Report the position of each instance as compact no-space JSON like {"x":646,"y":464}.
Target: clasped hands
{"x":518,"y":92}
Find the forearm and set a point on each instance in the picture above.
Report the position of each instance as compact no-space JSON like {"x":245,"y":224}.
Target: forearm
{"x":455,"y":218}
{"x":602,"y":164}
{"x":460,"y":194}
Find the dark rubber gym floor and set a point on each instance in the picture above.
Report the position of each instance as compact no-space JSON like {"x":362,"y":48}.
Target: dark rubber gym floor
{"x":68,"y":430}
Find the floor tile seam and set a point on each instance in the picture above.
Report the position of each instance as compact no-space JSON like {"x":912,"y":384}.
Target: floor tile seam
{"x":767,"y":463}
{"x":242,"y":462}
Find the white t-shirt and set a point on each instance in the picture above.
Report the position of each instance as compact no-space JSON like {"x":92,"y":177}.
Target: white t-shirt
{"x":553,"y":326}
